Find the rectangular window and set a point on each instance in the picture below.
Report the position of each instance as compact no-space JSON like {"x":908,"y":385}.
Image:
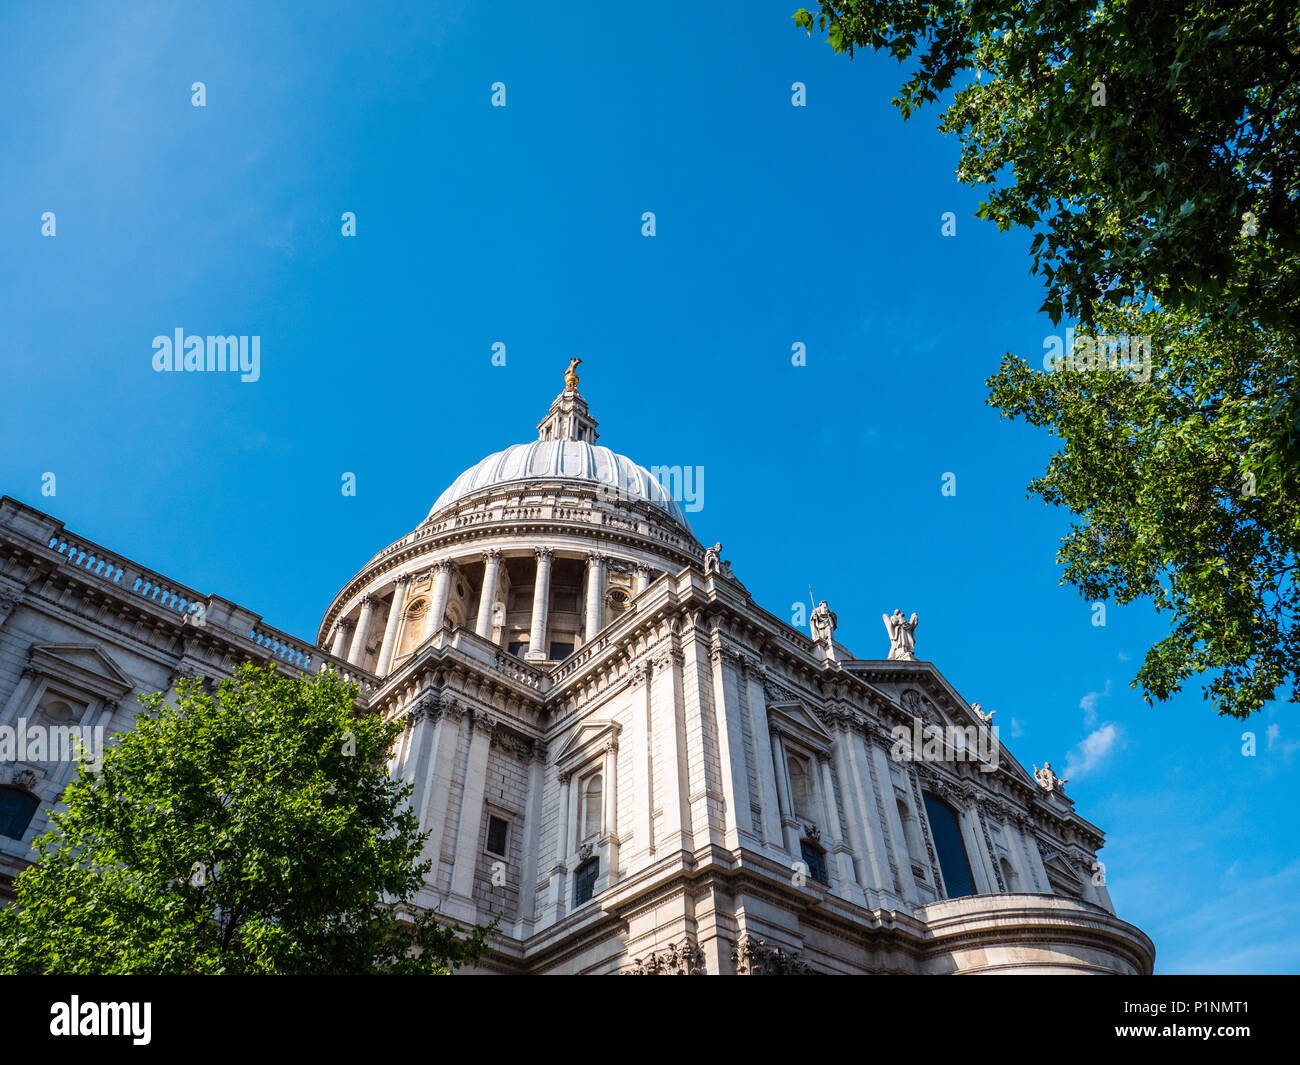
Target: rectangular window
{"x":518,"y":648}
{"x":561,"y":651}
{"x":498,"y":835}
{"x":584,"y":881}
{"x":815,"y":858}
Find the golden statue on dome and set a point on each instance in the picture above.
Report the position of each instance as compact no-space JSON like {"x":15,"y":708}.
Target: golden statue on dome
{"x":571,"y":376}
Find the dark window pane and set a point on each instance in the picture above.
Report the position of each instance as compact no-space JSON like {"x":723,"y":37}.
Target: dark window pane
{"x":518,"y":649}
{"x":16,"y":811}
{"x":584,"y":881}
{"x":950,"y":848}
{"x":497,"y":833}
{"x":815,"y":859}
{"x":561,"y":651}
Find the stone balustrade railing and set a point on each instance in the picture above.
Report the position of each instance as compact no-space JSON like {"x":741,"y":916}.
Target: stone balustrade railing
{"x":94,"y":561}
{"x":193,"y":607}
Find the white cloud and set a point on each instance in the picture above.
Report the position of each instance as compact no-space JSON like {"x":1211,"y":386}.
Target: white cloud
{"x":1017,"y":729}
{"x":1088,"y":704}
{"x":1089,"y":755}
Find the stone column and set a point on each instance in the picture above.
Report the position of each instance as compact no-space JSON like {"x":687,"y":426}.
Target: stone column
{"x":421,"y":722}
{"x":902,"y":856}
{"x":595,"y":589}
{"x":487,"y":597}
{"x":537,"y":648}
{"x":871,"y":865}
{"x":609,"y":770}
{"x":729,"y":716}
{"x":341,"y":633}
{"x":783,"y":798}
{"x":532,"y":836}
{"x":389,"y":647}
{"x":641,"y":785}
{"x":358,"y":649}
{"x":1035,"y":856}
{"x":438,"y":765}
{"x":769,"y":801}
{"x":465,"y":863}
{"x":980,"y":863}
{"x":437,"y":598}
{"x":841,"y":857}
{"x":555,"y":891}
{"x":1016,"y":852}
{"x":668,"y":728}
{"x":642,"y":580}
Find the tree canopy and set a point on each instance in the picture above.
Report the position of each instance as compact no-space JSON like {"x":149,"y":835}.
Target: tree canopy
{"x":251,"y":830}
{"x":1151,"y":148}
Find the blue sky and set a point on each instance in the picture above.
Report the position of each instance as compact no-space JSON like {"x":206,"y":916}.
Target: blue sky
{"x":522,"y":225}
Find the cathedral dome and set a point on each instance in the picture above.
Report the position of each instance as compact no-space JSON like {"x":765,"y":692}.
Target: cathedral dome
{"x":565,"y":460}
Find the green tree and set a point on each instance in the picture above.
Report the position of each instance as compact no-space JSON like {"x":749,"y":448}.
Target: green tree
{"x":1164,"y":474}
{"x":1152,"y":149}
{"x":1152,"y":145}
{"x":251,"y":831}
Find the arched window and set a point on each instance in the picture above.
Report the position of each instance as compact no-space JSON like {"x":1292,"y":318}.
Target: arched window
{"x":801,"y":790}
{"x":950,"y":848}
{"x":17,"y":808}
{"x":590,"y":800}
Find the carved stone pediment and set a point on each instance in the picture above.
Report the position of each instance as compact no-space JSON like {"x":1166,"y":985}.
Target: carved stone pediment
{"x":589,"y":740}
{"x":82,"y":665}
{"x":795,"y":719}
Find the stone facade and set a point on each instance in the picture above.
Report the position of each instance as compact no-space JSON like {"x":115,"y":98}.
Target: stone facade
{"x":610,"y":743}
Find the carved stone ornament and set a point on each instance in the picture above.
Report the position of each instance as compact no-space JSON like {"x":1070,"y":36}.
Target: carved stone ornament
{"x":1049,"y":781}
{"x":902,"y":636}
{"x":25,"y":779}
{"x":425,"y":707}
{"x":822,"y":623}
{"x":752,"y":957}
{"x":586,"y":851}
{"x":684,"y":959}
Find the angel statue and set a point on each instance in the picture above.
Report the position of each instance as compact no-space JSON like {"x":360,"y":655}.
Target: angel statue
{"x":902,"y":637}
{"x":571,"y":376}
